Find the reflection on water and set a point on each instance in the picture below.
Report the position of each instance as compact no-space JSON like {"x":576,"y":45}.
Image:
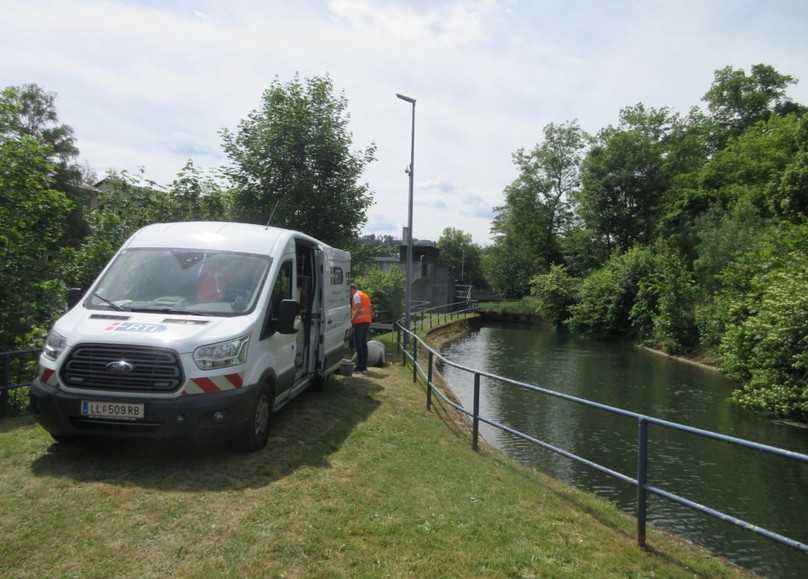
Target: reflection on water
{"x":765,"y":490}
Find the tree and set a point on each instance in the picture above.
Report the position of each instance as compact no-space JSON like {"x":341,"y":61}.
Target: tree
{"x":29,"y":110}
{"x":550,"y":171}
{"x":291,"y":161}
{"x":196,"y":196}
{"x":461,"y":255}
{"x":624,"y":178}
{"x":737,"y":100}
{"x":537,"y":208}
{"x":32,"y":217}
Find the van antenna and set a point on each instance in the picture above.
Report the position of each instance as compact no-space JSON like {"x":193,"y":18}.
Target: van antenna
{"x":271,"y":215}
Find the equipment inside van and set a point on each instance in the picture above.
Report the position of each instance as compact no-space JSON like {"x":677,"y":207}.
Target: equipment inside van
{"x":196,"y":330}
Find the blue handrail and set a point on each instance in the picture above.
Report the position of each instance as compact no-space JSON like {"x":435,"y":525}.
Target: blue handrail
{"x":641,"y":478}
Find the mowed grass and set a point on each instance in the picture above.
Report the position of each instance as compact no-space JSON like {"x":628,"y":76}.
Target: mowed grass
{"x":359,"y":480}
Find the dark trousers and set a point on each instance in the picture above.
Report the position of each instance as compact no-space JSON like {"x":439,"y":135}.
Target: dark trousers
{"x":360,"y":342}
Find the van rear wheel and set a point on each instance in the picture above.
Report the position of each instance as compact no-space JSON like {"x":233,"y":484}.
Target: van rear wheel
{"x":256,"y":431}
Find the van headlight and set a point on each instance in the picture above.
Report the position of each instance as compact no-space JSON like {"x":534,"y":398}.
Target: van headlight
{"x":54,"y":345}
{"x":222,"y":354}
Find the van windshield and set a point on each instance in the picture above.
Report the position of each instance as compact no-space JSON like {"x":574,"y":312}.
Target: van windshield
{"x":181,"y":281}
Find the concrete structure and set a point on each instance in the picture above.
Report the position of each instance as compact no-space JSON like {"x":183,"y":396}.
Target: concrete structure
{"x":432,"y":281}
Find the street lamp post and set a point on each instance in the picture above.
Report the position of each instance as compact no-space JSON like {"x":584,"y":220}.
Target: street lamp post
{"x":411,"y":173}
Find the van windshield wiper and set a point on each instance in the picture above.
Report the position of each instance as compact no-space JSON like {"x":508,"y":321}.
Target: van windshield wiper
{"x":109,"y":302}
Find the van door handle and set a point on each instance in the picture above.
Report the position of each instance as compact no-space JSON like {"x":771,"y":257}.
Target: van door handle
{"x":330,"y":321}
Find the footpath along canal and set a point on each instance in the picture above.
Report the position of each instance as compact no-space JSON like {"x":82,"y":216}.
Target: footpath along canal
{"x":765,"y":490}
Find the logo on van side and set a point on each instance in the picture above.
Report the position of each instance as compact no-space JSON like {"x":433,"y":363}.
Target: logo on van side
{"x":135,"y":327}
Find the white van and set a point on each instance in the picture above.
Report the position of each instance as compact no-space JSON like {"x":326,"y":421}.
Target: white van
{"x":196,"y":330}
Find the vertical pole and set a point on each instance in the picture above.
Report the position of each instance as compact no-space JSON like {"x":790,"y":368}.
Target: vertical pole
{"x":404,"y":348}
{"x":408,"y":297}
{"x":475,"y":429}
{"x":5,"y":384}
{"x":414,"y":359}
{"x":429,"y":383}
{"x":398,"y":338}
{"x":642,"y":479}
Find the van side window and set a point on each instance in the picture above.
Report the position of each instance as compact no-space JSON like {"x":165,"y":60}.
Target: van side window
{"x":282,"y":290}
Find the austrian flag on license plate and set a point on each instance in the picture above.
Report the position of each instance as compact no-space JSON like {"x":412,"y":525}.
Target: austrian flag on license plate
{"x":113,"y":410}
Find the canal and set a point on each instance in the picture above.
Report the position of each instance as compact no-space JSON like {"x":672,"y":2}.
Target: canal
{"x":768,"y":491}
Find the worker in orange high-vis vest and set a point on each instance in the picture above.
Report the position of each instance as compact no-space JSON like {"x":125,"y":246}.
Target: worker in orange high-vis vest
{"x":360,"y":320}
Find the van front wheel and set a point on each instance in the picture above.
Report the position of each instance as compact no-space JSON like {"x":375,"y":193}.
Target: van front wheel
{"x":256,"y":432}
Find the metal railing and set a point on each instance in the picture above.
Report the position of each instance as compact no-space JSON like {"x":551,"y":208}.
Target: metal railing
{"x":17,"y":370}
{"x":428,"y":315}
{"x":640,"y":479}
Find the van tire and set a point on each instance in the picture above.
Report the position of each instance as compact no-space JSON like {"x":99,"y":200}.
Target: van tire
{"x":255,"y":434}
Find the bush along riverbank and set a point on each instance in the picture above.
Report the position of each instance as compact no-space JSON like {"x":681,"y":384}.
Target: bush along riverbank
{"x":753,"y":326}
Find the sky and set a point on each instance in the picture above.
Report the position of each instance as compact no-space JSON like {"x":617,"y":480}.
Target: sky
{"x":150,"y":84}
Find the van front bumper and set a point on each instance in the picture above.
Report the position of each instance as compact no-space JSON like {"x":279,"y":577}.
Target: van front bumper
{"x":218,"y":415}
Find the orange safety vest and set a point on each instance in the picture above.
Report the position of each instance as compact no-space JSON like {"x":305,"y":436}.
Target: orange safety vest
{"x":360,"y":308}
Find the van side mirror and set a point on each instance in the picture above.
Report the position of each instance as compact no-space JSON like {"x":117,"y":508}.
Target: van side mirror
{"x":285,"y":322}
{"x":74,"y":296}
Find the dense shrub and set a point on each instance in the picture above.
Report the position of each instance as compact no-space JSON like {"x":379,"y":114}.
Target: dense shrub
{"x":765,"y":340}
{"x":386,"y":291}
{"x":663,"y":308}
{"x":556,"y":291}
{"x":607,"y":295}
{"x":32,"y":216}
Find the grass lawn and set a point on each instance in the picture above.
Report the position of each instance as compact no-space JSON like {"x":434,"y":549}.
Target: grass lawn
{"x":359,"y":480}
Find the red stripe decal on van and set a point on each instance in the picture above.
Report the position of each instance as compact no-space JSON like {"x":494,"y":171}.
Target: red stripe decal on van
{"x":46,"y":374}
{"x":234,"y":379}
{"x":206,"y":384}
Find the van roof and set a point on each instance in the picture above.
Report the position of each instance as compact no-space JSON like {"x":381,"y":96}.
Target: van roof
{"x":217,"y":235}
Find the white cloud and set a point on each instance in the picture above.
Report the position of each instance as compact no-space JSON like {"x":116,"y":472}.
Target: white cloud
{"x":151,"y":85}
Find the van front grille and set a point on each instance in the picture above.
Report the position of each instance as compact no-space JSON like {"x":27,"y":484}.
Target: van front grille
{"x":110,"y":367}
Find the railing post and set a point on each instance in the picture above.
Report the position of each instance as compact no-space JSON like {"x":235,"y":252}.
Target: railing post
{"x":398,"y":337}
{"x":414,"y":360}
{"x":5,"y":384}
{"x":475,"y":425}
{"x":404,"y":345}
{"x":642,"y":479}
{"x":429,"y":383}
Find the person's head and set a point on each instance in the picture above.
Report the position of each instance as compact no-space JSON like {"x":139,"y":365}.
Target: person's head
{"x":353,"y":289}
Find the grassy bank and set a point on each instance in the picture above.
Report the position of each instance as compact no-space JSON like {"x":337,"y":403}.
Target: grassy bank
{"x":525,"y":306}
{"x":359,"y":480}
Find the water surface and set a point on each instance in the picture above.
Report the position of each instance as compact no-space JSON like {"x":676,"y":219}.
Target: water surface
{"x":764,"y":490}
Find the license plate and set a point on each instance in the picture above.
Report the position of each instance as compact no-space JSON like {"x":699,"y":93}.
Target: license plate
{"x":112,"y":410}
